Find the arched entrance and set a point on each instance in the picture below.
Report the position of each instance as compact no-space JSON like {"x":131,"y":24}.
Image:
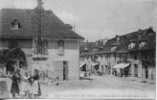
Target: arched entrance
{"x":13,"y":56}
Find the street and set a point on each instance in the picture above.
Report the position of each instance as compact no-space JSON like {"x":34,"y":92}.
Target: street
{"x":106,"y":86}
{"x":99,"y":87}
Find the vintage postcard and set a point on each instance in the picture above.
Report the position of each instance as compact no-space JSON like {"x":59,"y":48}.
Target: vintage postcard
{"x":78,"y":49}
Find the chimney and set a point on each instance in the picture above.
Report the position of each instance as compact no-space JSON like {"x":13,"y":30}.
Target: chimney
{"x":40,"y":4}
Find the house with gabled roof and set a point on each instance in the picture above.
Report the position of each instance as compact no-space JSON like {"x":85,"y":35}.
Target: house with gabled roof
{"x":48,"y":43}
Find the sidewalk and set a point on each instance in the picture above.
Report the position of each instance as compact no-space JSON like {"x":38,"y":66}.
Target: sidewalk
{"x":133,"y":79}
{"x":141,"y":80}
{"x":100,"y":86}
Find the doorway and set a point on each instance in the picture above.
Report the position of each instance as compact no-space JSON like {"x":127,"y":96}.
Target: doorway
{"x":65,"y":70}
{"x":146,"y":72}
{"x":136,"y":70}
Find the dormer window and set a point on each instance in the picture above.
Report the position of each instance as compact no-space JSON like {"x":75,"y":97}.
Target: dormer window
{"x":132,"y":45}
{"x":15,"y":25}
{"x":142,"y":44}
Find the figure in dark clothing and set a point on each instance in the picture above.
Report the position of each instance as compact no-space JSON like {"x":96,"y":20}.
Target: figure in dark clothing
{"x":15,"y":83}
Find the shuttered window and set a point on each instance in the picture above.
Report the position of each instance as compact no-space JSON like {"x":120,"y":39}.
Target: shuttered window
{"x":60,"y":47}
{"x":40,"y":46}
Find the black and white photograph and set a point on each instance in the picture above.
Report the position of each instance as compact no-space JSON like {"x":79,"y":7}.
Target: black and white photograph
{"x":78,"y":49}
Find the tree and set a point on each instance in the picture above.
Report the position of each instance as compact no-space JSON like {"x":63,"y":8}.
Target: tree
{"x":16,"y":54}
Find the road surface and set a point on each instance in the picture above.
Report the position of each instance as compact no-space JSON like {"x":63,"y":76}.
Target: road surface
{"x":100,"y":87}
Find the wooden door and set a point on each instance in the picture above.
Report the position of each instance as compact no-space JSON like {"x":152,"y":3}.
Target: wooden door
{"x":65,"y":70}
{"x":136,"y":70}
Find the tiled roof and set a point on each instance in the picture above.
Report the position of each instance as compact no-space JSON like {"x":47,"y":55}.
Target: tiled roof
{"x":52,"y":26}
{"x":147,"y":35}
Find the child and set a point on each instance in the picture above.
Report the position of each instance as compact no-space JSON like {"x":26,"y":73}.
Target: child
{"x":25,"y":84}
{"x":35,"y":87}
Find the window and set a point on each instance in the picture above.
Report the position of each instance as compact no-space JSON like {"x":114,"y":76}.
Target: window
{"x":40,"y":46}
{"x":136,"y":70}
{"x":142,"y":44}
{"x":61,"y":47}
{"x":132,"y":45}
{"x":15,"y":25}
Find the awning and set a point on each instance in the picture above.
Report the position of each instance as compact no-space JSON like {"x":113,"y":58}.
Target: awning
{"x":121,"y":65}
{"x":94,"y":64}
{"x":81,"y":65}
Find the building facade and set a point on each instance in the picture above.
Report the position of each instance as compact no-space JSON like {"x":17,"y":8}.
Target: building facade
{"x":47,"y":43}
{"x":136,"y":48}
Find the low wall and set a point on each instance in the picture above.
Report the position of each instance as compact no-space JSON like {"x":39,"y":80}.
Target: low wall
{"x":5,"y":87}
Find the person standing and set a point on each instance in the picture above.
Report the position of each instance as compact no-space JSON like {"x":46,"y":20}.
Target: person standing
{"x":35,"y":87}
{"x":15,"y":83}
{"x":24,"y":84}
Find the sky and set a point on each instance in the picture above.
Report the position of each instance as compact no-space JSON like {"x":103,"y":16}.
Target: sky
{"x":98,"y":19}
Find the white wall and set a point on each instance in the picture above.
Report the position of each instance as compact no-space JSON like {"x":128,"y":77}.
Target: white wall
{"x":71,"y":55}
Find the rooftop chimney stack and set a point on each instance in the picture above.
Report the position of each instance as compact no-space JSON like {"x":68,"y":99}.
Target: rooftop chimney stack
{"x":40,"y":4}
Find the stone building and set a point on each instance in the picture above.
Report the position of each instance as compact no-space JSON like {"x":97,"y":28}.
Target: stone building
{"x":135,"y":48}
{"x":142,"y":53}
{"x":48,"y":43}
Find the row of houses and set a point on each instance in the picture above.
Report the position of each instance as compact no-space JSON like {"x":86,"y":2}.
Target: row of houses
{"x":133,"y":52}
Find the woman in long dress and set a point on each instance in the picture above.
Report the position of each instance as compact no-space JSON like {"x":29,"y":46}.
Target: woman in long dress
{"x":15,"y":83}
{"x":24,"y":86}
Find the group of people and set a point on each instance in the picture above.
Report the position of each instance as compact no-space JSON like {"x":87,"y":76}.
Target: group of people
{"x":25,"y":83}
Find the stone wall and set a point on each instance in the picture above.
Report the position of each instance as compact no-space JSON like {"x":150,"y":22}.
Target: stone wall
{"x":71,"y":56}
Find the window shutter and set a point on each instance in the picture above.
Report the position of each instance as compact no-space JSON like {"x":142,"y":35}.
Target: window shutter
{"x":60,"y":47}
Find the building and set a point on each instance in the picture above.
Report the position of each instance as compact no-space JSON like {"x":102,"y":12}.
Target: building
{"x":88,"y":57}
{"x":46,"y":42}
{"x":136,"y":48}
{"x":142,"y":49}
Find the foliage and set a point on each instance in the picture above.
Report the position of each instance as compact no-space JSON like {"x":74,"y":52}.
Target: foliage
{"x":11,"y":55}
